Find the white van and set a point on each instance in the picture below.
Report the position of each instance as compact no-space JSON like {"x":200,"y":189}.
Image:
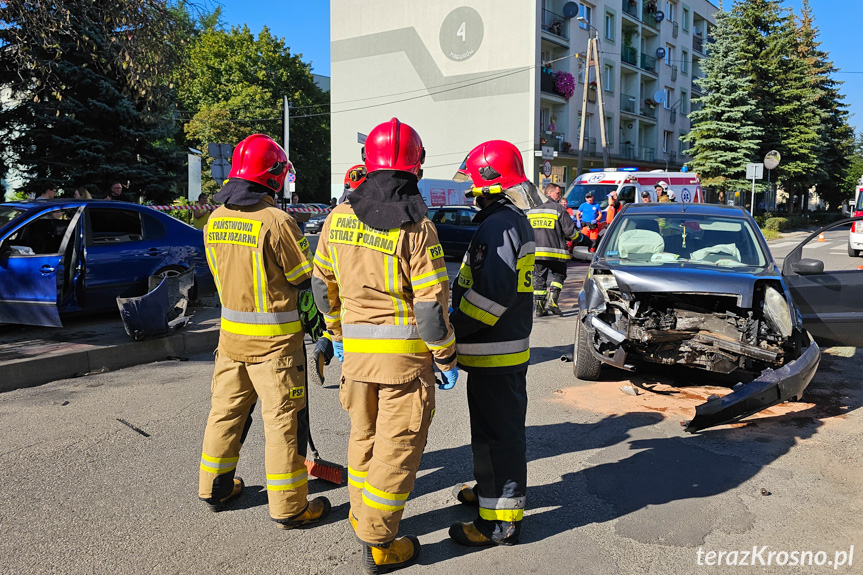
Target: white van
{"x":629,"y":185}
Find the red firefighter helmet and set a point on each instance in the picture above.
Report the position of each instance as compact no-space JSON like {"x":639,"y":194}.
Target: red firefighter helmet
{"x":261,"y":160}
{"x":496,"y":165}
{"x":355,"y":176}
{"x":394,"y":146}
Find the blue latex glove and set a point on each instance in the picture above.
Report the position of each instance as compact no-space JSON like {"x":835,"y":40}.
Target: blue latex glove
{"x":339,"y":350}
{"x":450,"y":309}
{"x":450,"y":377}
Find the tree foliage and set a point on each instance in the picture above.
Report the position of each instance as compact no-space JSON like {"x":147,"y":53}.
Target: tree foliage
{"x":234,"y":85}
{"x":88,"y":96}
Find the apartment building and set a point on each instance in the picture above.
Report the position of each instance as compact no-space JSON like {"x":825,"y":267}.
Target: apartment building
{"x":461,"y":74}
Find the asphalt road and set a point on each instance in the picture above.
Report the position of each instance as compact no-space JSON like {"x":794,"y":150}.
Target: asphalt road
{"x":100,"y":476}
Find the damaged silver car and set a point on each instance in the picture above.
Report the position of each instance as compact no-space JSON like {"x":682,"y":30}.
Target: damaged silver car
{"x":695,"y":285}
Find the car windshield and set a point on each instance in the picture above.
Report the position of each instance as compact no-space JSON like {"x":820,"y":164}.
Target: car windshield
{"x":9,"y":213}
{"x":684,"y":239}
{"x":600,"y":193}
{"x":860,"y":203}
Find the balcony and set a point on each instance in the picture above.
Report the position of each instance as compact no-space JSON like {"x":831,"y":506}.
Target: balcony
{"x":697,"y":44}
{"x":674,"y":30}
{"x":553,"y":139}
{"x":630,"y":7}
{"x":629,"y":55}
{"x":674,"y":73}
{"x":648,"y":63}
{"x":546,"y":81}
{"x":646,"y":154}
{"x":672,"y":116}
{"x":648,"y":111}
{"x":627,"y":103}
{"x":627,"y":151}
{"x":555,"y":25}
{"x":672,"y":157}
{"x":649,"y":19}
{"x":695,"y":87}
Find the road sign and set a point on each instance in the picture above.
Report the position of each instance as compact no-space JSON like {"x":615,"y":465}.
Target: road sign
{"x":754,"y":171}
{"x":219,"y":150}
{"x":772,"y":159}
{"x":361,"y":138}
{"x":220,"y":170}
{"x":547,"y":153}
{"x":546,"y":168}
{"x":292,"y":178}
{"x":292,"y":187}
{"x":686,"y":195}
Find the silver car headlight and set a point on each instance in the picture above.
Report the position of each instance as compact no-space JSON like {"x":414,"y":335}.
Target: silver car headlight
{"x":605,"y":282}
{"x":777,"y":312}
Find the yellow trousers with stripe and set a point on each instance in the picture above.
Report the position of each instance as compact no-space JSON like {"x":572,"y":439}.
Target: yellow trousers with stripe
{"x":389,"y":426}
{"x":280,"y":385}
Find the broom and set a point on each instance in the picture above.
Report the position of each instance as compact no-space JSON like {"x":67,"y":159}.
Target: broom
{"x":317,"y":467}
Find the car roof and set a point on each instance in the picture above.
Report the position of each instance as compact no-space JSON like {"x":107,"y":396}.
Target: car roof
{"x":457,"y":206}
{"x":70,"y":203}
{"x":669,"y":208}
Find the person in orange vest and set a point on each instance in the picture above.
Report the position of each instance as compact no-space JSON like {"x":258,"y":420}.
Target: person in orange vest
{"x":613,"y":207}
{"x":260,"y":261}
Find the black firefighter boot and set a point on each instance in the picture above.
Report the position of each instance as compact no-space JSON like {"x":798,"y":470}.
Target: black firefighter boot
{"x":551,"y":304}
{"x":539,"y":307}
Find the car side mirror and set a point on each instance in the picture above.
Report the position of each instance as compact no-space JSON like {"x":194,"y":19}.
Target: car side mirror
{"x":809,"y":266}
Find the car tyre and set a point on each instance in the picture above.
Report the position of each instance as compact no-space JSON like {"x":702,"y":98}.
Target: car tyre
{"x":584,"y":365}
{"x":852,"y":252}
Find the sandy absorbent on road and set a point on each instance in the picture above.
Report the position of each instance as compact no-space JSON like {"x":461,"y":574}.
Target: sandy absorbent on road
{"x":826,"y":398}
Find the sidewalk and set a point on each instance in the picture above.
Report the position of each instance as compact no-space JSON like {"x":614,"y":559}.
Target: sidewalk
{"x":35,"y":355}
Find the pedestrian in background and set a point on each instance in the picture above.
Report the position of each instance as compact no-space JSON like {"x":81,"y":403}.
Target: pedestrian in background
{"x":116,"y":193}
{"x":81,"y":193}
{"x":613,"y":207}
{"x":645,"y":197}
{"x":552,"y":227}
{"x":49,"y":193}
{"x":589,"y":214}
{"x":201,"y":211}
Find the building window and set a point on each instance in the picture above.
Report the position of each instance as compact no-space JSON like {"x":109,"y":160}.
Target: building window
{"x":670,"y":11}
{"x":669,"y":55}
{"x":609,"y":26}
{"x":685,"y":23}
{"x":684,"y":103}
{"x":544,"y":117}
{"x":669,"y":98}
{"x":684,"y":61}
{"x":608,"y":78}
{"x":666,"y":142}
{"x":585,"y":12}
{"x":609,"y":129}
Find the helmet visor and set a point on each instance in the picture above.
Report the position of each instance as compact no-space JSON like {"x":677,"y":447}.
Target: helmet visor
{"x":461,"y":174}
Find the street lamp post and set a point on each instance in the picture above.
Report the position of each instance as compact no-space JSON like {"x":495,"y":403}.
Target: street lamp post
{"x":592,"y":57}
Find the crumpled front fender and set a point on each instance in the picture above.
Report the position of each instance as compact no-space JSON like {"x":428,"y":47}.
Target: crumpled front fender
{"x":770,"y":388}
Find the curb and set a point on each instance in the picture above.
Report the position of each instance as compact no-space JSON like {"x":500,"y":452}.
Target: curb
{"x":29,"y":372}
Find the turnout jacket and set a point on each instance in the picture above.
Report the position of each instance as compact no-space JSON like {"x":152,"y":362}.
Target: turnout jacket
{"x":552,"y":226}
{"x":385,"y":294}
{"x":493,"y":294}
{"x":260,"y":260}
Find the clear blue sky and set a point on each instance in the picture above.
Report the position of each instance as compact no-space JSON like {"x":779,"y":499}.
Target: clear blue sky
{"x":306,"y":29}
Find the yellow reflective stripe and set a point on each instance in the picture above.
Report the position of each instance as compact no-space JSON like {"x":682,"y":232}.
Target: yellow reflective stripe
{"x":331,"y":318}
{"x":218,"y":465}
{"x":211,"y":259}
{"x":261,"y":330}
{"x":335,"y":260}
{"x":501,"y":514}
{"x":356,"y":478}
{"x":323,"y":261}
{"x":393,"y":289}
{"x":449,"y":341}
{"x":557,"y":285}
{"x":465,"y":276}
{"x":501,"y":360}
{"x":554,"y":255}
{"x":287,"y":481}
{"x":382,"y":500}
{"x":429,"y":279}
{"x":476,"y":313}
{"x":384,"y":345}
{"x":259,"y":280}
{"x":305,"y":267}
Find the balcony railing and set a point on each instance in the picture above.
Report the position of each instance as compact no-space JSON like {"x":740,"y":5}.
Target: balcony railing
{"x":698,"y":44}
{"x":591,"y":146}
{"x":546,"y":82}
{"x":555,"y":24}
{"x":672,"y":116}
{"x":649,"y":19}
{"x":672,"y":157}
{"x":674,"y":73}
{"x":648,"y":63}
{"x":627,"y":151}
{"x":646,"y":154}
{"x":674,"y":30}
{"x":648,"y":111}
{"x":553,"y":139}
{"x":627,"y":103}
{"x":630,"y":7}
{"x":695,"y":86}
{"x":629,"y":55}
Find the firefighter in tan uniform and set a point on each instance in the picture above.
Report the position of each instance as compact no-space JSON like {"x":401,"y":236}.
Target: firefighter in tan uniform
{"x":381,"y":283}
{"x":260,"y":261}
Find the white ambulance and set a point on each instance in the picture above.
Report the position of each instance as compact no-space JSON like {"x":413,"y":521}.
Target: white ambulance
{"x":629,"y":186}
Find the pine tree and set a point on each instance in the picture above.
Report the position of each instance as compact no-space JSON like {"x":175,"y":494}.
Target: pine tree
{"x":781,"y":89}
{"x":726,"y":132}
{"x":88,"y":99}
{"x":836,"y":143}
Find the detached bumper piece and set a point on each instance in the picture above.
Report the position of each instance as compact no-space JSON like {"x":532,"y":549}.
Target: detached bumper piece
{"x":162,"y":310}
{"x":771,"y":387}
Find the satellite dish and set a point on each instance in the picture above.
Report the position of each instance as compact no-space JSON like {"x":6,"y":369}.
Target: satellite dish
{"x":660,"y":53}
{"x":570,"y":9}
{"x":659,"y":96}
{"x":659,"y":15}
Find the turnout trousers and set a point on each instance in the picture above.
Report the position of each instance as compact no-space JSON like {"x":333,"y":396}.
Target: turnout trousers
{"x":541,"y":289}
{"x":498,"y":407}
{"x":389,"y":426}
{"x":280,"y":385}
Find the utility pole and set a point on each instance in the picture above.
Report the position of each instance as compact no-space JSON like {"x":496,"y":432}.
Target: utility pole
{"x":592,"y":59}
{"x":287,"y":127}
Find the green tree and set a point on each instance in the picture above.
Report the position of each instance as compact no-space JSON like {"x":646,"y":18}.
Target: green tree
{"x":836,"y":135}
{"x":234,"y":85}
{"x":90,"y":101}
{"x":726,"y":131}
{"x":854,"y":168}
{"x":781,"y":89}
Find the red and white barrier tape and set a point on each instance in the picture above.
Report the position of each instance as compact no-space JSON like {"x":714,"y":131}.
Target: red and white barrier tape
{"x":210,"y":208}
